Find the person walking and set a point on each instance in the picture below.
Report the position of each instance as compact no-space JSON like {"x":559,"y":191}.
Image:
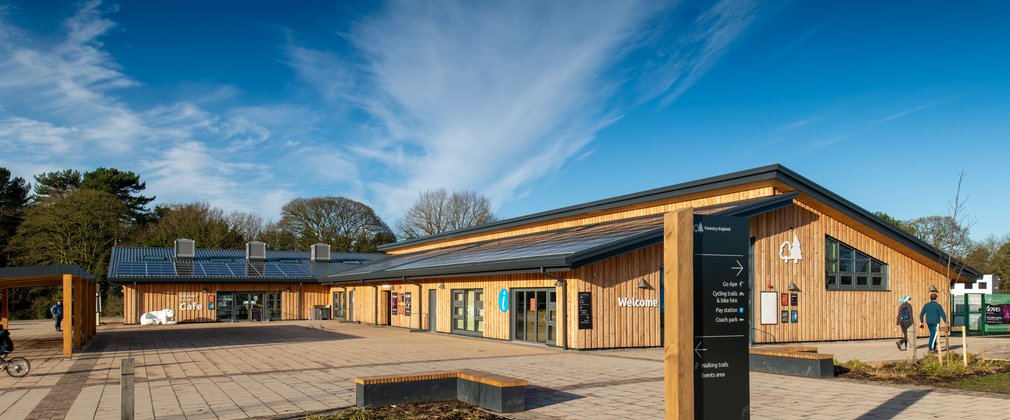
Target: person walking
{"x":57,"y":311}
{"x":905,"y":320}
{"x":932,"y":314}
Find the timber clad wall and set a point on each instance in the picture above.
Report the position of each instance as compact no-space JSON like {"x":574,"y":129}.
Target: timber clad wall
{"x":711,"y":198}
{"x":822,"y":314}
{"x":831,"y":314}
{"x":608,"y":280}
{"x":158,"y":296}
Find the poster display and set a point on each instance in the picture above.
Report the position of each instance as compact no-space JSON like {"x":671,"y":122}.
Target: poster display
{"x":406,"y":304}
{"x":393,"y":307}
{"x":785,"y":299}
{"x":997,"y":313}
{"x":785,"y":317}
{"x":585,"y":303}
{"x":769,"y":308}
{"x":793,"y":298}
{"x":794,"y":316}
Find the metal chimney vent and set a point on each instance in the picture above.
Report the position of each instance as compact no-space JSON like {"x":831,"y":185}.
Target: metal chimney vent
{"x":320,"y":252}
{"x":255,"y":250}
{"x":185,"y":248}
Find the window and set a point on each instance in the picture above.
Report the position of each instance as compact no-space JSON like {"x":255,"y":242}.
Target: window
{"x":154,"y":258}
{"x":849,"y":269}
{"x":983,"y":285}
{"x":970,"y":286}
{"x":468,"y":311}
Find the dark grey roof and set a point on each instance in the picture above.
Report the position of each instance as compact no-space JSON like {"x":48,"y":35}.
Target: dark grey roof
{"x":774,"y":172}
{"x":556,"y":250}
{"x":140,"y":264}
{"x":45,"y":271}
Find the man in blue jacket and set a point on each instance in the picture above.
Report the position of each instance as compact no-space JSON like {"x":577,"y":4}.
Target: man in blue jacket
{"x":57,"y":311}
{"x":932,"y":314}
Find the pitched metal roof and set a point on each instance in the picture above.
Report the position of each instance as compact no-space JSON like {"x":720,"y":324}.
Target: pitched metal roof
{"x":157,"y":264}
{"x":774,"y":172}
{"x":556,"y":250}
{"x":45,"y":271}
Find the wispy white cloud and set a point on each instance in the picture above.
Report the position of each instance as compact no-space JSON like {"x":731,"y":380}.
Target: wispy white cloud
{"x":493,"y":96}
{"x":799,"y":40}
{"x":694,"y":48}
{"x":59,"y":109}
{"x":909,"y":111}
{"x":797,"y":124}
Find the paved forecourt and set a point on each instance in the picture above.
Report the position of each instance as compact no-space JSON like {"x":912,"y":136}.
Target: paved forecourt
{"x":282,"y":369}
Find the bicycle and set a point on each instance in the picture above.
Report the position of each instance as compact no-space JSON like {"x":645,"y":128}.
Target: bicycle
{"x":15,"y":366}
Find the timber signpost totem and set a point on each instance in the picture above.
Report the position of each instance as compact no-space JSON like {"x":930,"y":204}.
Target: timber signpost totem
{"x":721,"y":311}
{"x":705,"y":354}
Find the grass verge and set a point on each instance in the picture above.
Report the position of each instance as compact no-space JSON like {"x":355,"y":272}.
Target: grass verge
{"x":979,"y":375}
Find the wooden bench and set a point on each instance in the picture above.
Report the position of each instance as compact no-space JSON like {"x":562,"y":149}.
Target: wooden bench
{"x":792,"y":360}
{"x":498,"y":393}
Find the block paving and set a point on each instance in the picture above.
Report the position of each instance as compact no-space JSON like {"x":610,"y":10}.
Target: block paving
{"x":284,"y":370}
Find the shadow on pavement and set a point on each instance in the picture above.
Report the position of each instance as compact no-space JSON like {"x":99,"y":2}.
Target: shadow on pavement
{"x":538,"y":396}
{"x":188,"y":337}
{"x":894,"y":406}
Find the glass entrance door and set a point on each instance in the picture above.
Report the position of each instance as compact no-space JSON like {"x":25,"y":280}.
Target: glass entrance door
{"x":242,"y":304}
{"x":273,"y":306}
{"x":535,"y":315}
{"x":339,"y":306}
{"x":225,"y":307}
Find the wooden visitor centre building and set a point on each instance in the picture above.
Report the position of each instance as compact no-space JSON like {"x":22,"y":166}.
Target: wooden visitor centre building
{"x":587,"y":276}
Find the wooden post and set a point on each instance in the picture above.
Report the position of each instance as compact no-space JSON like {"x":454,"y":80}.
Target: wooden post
{"x":68,"y":306}
{"x":964,"y":342}
{"x":77,"y":314}
{"x":3,"y":308}
{"x":678,"y":272}
{"x":126,"y":383}
{"x":911,"y":346}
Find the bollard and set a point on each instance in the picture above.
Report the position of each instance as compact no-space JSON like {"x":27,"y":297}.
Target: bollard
{"x":911,"y":345}
{"x":126,"y":381}
{"x":964,"y":344}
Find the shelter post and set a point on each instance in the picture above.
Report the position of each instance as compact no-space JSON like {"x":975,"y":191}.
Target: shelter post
{"x":68,"y":306}
{"x":4,"y":308}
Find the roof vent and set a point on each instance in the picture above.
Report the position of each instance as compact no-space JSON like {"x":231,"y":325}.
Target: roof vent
{"x":185,"y":248}
{"x":255,"y":250}
{"x":320,"y":252}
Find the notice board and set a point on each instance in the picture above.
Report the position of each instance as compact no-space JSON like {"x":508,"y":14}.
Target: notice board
{"x":585,"y":314}
{"x":769,"y":308}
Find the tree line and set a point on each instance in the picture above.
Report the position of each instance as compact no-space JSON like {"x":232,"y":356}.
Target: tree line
{"x":70,"y":217}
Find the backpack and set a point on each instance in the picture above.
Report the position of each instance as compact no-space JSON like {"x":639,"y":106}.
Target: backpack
{"x":56,"y":310}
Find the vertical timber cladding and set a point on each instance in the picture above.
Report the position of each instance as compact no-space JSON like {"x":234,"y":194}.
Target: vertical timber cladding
{"x":363,"y":306}
{"x":831,"y":314}
{"x":191,"y":303}
{"x":612,"y":282}
{"x":496,"y":323}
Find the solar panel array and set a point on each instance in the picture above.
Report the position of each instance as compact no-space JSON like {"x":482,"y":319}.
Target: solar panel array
{"x":209,"y":269}
{"x":556,"y":243}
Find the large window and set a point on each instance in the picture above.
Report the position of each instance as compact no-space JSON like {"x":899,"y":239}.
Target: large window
{"x":848,"y":269}
{"x":468,"y":310}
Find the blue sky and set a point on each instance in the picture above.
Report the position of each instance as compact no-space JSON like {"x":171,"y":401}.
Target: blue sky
{"x":537,"y":105}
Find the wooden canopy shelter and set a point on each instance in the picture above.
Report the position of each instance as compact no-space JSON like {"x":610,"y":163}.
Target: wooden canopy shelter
{"x":79,"y":298}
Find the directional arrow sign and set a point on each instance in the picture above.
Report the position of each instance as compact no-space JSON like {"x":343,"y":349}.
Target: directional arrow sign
{"x":698,"y":349}
{"x":738,"y":268}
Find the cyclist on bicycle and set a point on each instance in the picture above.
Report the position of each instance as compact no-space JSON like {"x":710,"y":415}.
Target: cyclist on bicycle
{"x":6,"y":344}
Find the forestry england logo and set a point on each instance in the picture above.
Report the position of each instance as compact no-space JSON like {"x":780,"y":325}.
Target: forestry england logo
{"x":699,"y":228}
{"x":791,"y":250}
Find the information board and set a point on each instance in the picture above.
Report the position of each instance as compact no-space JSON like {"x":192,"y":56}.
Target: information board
{"x":722,"y":379}
{"x":585,"y":303}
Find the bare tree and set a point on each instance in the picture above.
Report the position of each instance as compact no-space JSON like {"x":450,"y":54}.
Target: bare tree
{"x":956,"y":241}
{"x":438,"y":211}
